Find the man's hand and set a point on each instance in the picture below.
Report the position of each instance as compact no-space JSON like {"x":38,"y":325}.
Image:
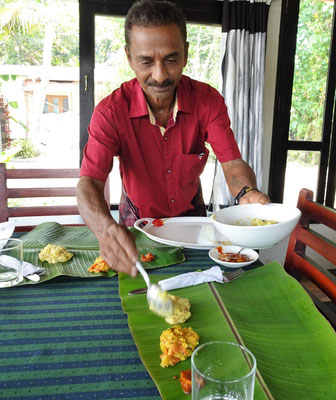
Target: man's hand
{"x":254,"y":196}
{"x":117,"y":248}
{"x":116,"y":243}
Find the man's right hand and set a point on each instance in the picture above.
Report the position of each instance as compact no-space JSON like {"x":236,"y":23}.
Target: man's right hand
{"x":117,"y":248}
{"x":116,"y":242}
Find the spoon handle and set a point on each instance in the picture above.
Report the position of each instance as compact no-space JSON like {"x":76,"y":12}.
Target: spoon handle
{"x":143,"y":272}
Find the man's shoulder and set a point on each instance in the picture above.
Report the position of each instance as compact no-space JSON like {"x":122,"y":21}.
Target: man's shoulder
{"x":201,"y":95}
{"x":119,"y":97}
{"x":197,"y":87}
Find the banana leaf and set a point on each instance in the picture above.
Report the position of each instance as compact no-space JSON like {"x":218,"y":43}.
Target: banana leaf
{"x":267,"y":311}
{"x":82,"y":243}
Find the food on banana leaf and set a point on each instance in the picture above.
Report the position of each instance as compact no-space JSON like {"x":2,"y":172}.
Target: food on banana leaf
{"x":55,"y":254}
{"x":185,"y":380}
{"x":147,"y":257}
{"x":177,"y":344}
{"x":181,"y":310}
{"x":99,"y":265}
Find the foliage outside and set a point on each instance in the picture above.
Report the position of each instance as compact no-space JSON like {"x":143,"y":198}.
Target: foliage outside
{"x":311,"y":67}
{"x":27,"y":148}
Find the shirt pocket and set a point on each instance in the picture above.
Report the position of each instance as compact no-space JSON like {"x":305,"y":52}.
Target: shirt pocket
{"x":190,"y":167}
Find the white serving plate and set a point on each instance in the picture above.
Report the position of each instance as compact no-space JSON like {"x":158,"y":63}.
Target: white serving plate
{"x":189,"y":232}
{"x":214,"y":255}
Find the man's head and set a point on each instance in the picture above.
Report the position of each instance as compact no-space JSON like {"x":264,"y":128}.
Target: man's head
{"x":156,"y":48}
{"x":149,"y":13}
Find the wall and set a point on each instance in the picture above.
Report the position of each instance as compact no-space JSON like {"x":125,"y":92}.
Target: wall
{"x":269,"y":85}
{"x":277,"y":252}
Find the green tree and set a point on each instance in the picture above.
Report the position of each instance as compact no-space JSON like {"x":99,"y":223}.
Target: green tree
{"x":24,"y":25}
{"x":311,"y":66}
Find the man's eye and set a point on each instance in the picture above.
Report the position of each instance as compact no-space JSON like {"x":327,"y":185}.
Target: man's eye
{"x":172,"y":60}
{"x":146,"y":63}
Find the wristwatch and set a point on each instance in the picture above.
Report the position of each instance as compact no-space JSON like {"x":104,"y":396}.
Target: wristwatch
{"x":245,"y":190}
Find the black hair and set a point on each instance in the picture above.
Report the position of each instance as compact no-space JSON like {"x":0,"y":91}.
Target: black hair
{"x":154,"y":13}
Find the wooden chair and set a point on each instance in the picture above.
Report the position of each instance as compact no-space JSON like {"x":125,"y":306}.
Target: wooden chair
{"x":27,"y":217}
{"x":311,"y":253}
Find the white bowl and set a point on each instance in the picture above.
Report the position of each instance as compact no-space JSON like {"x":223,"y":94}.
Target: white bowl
{"x":214,"y":255}
{"x":235,"y":223}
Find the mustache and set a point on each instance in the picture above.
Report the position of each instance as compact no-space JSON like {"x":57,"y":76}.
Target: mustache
{"x":167,"y":82}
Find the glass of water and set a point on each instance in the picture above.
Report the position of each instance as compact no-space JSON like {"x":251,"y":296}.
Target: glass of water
{"x":222,"y":371}
{"x":10,"y":262}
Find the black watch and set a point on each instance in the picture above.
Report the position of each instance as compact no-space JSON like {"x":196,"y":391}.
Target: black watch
{"x":245,"y":190}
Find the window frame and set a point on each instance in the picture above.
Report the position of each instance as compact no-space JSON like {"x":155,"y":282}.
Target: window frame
{"x":281,"y":144}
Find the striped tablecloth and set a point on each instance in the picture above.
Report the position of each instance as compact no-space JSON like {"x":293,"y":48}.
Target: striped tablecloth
{"x":68,"y":339}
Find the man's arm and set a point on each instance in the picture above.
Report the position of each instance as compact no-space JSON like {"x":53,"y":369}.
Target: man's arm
{"x":116,"y":243}
{"x":239,"y":174}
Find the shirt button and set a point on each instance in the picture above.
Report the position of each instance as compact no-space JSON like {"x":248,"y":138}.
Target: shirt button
{"x":165,"y":138}
{"x":172,"y":200}
{"x":169,"y":171}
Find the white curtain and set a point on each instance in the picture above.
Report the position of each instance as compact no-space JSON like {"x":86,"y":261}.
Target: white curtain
{"x":244,"y":24}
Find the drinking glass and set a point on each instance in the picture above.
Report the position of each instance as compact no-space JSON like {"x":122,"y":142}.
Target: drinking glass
{"x":222,"y":371}
{"x":10,"y":262}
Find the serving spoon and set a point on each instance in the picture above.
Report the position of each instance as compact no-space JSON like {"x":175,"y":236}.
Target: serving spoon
{"x":159,"y":302}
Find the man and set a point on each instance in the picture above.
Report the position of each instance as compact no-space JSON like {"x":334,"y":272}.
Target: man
{"x":157,"y":124}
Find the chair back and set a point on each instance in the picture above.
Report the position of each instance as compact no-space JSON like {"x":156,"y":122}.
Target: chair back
{"x":21,"y":183}
{"x":311,"y":250}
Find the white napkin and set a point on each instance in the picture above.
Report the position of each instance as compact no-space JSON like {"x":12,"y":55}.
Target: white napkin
{"x":192,"y":278}
{"x":27,"y":268}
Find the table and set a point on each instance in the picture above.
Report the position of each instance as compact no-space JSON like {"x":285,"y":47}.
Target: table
{"x":68,"y":339}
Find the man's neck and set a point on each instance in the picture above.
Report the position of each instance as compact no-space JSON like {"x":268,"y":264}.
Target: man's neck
{"x":161,"y":105}
{"x":162,"y":109}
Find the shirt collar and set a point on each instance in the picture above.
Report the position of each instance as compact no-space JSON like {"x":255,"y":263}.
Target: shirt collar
{"x":139,"y":107}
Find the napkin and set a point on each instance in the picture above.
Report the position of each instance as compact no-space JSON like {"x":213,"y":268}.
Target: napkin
{"x":27,"y":268}
{"x":192,"y":278}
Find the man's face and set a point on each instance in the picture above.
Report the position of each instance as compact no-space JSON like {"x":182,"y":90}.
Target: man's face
{"x":157,"y":55}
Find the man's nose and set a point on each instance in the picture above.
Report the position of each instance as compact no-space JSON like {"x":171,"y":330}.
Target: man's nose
{"x":159,"y":72}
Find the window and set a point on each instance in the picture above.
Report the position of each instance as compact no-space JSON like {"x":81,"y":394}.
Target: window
{"x":304,"y":127}
{"x":56,"y":104}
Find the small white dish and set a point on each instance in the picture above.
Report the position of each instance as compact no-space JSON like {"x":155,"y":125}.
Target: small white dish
{"x":214,"y":255}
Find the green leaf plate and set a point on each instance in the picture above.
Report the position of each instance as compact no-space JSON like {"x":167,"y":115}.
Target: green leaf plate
{"x":267,"y":311}
{"x":80,"y":241}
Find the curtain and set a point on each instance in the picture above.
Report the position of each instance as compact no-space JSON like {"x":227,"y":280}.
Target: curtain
{"x":244,"y":24}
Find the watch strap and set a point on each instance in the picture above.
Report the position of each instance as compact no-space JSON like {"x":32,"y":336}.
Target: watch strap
{"x":244,"y":190}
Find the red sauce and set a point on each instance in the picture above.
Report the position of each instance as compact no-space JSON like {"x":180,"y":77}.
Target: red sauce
{"x":185,"y":380}
{"x":232,"y":257}
{"x":157,"y":222}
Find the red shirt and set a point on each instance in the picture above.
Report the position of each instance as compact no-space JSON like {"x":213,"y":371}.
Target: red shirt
{"x":160,"y":173}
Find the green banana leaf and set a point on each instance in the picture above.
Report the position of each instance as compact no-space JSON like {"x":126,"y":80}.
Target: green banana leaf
{"x":72,"y":237}
{"x":82,"y":243}
{"x":267,"y":311}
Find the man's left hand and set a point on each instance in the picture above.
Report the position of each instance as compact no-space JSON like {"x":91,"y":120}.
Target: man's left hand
{"x":254,"y":196}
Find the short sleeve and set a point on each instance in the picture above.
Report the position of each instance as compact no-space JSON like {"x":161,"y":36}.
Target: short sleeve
{"x":219,"y":132}
{"x":103,"y":144}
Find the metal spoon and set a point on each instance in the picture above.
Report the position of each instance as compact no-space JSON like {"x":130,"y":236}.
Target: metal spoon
{"x":158,"y":300}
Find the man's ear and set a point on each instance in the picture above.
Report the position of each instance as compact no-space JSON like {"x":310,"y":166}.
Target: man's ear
{"x":128,"y":54}
{"x":186,"y":49}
